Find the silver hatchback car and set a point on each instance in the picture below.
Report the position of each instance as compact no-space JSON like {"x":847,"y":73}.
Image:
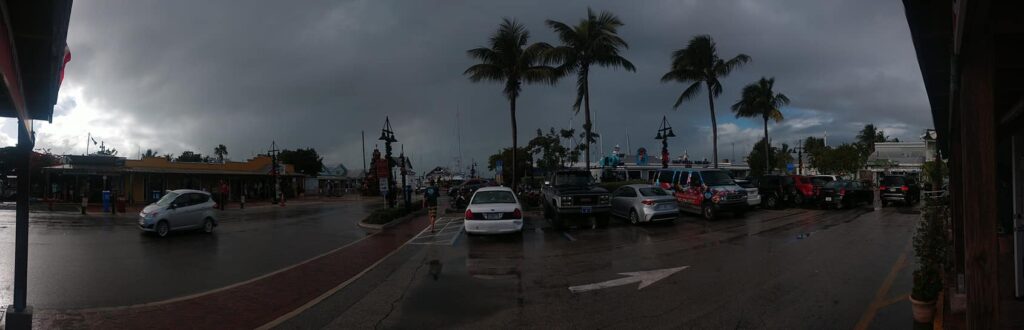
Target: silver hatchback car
{"x":182,"y":209}
{"x":644,"y":203}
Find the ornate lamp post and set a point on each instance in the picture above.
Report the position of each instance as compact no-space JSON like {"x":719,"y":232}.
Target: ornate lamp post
{"x":664,"y":132}
{"x":388,"y":136}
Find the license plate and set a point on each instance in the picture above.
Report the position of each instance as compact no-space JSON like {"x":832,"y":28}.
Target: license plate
{"x":586,"y":210}
{"x":585,"y":200}
{"x":828,"y":199}
{"x":492,"y":216}
{"x":893,"y":189}
{"x":662,"y":207}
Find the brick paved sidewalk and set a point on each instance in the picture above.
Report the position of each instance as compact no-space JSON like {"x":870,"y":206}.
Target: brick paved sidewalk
{"x":248,"y":305}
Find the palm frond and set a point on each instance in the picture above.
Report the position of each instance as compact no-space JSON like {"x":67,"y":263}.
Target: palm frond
{"x":687,"y":94}
{"x":485,"y":71}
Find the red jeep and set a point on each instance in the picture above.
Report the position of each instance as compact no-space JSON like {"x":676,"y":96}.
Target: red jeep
{"x":804,"y":189}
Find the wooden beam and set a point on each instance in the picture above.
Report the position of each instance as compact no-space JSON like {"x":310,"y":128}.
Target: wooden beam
{"x":978,"y":164}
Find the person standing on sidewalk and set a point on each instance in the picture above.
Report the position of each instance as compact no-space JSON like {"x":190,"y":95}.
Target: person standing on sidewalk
{"x":224,"y":190}
{"x":430,"y":201}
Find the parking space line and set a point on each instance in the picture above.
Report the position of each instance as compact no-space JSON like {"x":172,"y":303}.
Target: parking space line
{"x":883,"y":290}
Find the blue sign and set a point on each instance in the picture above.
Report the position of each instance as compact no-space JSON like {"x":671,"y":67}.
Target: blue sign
{"x":790,"y":167}
{"x":498,"y":164}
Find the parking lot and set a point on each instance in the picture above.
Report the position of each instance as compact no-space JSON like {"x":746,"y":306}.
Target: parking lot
{"x":793,"y":268}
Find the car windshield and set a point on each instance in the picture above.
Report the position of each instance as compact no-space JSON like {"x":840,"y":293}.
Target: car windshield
{"x":837,"y":184}
{"x":717,"y":178}
{"x":892,"y":181}
{"x":653,"y":191}
{"x":494,"y":197}
{"x":820,"y":180}
{"x":573,"y":179}
{"x":745,"y":184}
{"x":167,"y":199}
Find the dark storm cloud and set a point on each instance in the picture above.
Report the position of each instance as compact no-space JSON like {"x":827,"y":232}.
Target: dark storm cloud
{"x":193,"y":74}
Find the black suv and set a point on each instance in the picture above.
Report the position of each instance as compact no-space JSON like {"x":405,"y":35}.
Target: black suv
{"x":775,"y":190}
{"x":573,"y":193}
{"x":898,"y":188}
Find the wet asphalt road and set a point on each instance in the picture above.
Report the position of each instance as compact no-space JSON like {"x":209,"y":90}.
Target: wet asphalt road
{"x":113,"y":264}
{"x":796,"y":268}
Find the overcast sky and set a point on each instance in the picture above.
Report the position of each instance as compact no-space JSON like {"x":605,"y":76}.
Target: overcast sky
{"x":188,"y":75}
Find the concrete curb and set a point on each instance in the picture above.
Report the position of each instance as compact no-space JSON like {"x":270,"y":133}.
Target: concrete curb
{"x":392,"y":223}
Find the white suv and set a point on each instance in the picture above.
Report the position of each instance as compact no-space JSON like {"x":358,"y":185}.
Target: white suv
{"x":179,"y":210}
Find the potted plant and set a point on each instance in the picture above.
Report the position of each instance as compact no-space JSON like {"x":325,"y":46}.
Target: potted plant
{"x":930,"y":247}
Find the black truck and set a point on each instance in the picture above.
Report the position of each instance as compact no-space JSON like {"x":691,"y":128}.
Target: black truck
{"x":573,"y":195}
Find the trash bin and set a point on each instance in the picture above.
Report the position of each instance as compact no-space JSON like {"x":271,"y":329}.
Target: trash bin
{"x":106,"y":201}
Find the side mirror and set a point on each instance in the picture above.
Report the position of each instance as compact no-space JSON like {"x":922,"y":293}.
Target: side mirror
{"x":174,"y":206}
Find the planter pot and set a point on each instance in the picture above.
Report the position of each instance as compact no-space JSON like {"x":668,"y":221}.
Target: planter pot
{"x":924,"y":311}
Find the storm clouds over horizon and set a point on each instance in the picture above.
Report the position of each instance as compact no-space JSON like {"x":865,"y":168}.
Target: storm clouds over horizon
{"x":188,"y":75}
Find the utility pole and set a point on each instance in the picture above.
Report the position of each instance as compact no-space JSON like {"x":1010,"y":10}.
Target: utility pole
{"x":362,"y":135}
{"x":274,"y":171}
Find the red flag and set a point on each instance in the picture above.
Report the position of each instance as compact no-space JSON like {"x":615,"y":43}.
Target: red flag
{"x":67,"y":58}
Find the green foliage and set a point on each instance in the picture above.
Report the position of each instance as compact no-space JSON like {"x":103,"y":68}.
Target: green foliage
{"x":150,"y":153}
{"x":778,"y":158}
{"x":523,"y":157}
{"x":385,"y":215}
{"x":935,"y":173}
{"x":931,"y":246}
{"x":189,"y":156}
{"x":220,"y":151}
{"x":305,"y":161}
{"x":549,"y":148}
{"x":813,"y":145}
{"x":611,"y":186}
{"x":842,"y":160}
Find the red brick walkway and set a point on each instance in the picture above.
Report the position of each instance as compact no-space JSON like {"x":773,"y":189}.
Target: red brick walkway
{"x":248,"y":305}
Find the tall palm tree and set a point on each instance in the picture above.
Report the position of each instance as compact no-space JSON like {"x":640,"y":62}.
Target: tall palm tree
{"x":759,"y":100}
{"x":506,"y":60}
{"x":594,"y":40}
{"x":699,"y":64}
{"x":220,"y":151}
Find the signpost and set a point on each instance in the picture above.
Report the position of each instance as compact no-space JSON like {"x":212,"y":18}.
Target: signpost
{"x":498,"y":167}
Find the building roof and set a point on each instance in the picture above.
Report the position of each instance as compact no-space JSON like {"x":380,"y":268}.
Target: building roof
{"x":260,"y":165}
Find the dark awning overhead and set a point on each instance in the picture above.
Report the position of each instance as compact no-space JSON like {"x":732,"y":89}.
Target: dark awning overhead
{"x":931,"y":28}
{"x":37,"y":34}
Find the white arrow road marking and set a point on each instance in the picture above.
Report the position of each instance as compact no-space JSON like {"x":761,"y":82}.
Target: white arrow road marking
{"x":645,"y":278}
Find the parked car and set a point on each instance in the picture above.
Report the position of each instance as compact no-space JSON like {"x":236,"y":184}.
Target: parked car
{"x":182,"y":209}
{"x":775,"y":190}
{"x":461,"y":193}
{"x":804,"y":189}
{"x":819,"y":181}
{"x":705,"y":191}
{"x":644,"y":203}
{"x":841,"y":194}
{"x":898,"y":188}
{"x":494,"y":210}
{"x":572,"y":194}
{"x":753,"y":197}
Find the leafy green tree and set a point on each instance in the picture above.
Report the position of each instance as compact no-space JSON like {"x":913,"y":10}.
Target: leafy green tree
{"x":505,"y":60}
{"x":842,"y":160}
{"x":760,"y":157}
{"x":868,"y":136}
{"x":698,"y":64}
{"x":592,"y":41}
{"x":760,"y":101}
{"x":525,"y":163}
{"x":220,"y":151}
{"x":813,"y":145}
{"x":189,"y":156}
{"x":573,"y":153}
{"x":306,"y":161}
{"x":549,"y":148}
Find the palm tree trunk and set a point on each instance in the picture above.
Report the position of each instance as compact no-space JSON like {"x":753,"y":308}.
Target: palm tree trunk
{"x":586,"y":109}
{"x":515,"y":144}
{"x":767,"y":150}
{"x":714,"y":125}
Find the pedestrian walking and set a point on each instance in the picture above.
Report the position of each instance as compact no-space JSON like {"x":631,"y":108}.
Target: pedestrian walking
{"x":224,"y":190}
{"x":430,"y":201}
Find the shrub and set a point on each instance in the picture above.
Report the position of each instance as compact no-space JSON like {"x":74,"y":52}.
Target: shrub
{"x":931,"y":247}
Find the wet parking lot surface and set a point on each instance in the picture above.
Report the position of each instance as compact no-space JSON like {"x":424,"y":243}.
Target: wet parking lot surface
{"x":794,"y":268}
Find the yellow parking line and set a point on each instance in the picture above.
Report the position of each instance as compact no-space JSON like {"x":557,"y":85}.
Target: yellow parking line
{"x":880,"y":301}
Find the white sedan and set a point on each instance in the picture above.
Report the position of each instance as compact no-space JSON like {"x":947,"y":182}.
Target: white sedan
{"x":493,"y":210}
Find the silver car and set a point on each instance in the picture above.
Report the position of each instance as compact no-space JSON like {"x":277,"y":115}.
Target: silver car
{"x":182,"y":209}
{"x":644,"y":203}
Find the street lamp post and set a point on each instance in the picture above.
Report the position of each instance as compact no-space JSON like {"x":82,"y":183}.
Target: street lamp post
{"x":799,"y":150}
{"x":388,"y":136}
{"x":664,"y":132}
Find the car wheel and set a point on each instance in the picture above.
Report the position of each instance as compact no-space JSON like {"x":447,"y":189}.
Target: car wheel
{"x":547,"y":212}
{"x":798,"y":199}
{"x":772,"y":202}
{"x":709,"y":212}
{"x":208,"y":226}
{"x":556,"y":220}
{"x":162,"y":229}
{"x":884,"y":203}
{"x":634,"y":219}
{"x":839,"y":205}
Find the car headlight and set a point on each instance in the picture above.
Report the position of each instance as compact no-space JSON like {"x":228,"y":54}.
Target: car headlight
{"x":566,"y":200}
{"x":605,"y":199}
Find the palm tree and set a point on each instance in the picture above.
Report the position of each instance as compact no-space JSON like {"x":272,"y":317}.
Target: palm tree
{"x":759,"y":100}
{"x":150,"y":153}
{"x":505,"y":60}
{"x":220,"y":151}
{"x":594,"y":40}
{"x":698,"y":64}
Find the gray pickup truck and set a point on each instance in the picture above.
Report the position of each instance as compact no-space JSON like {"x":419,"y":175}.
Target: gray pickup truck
{"x":573,"y":195}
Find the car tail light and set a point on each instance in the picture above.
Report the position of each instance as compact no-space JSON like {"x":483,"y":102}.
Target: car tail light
{"x":469,"y":214}
{"x":517,"y":214}
{"x":904,"y":188}
{"x":842,"y":192}
{"x":647,"y":202}
{"x":882,"y":188}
